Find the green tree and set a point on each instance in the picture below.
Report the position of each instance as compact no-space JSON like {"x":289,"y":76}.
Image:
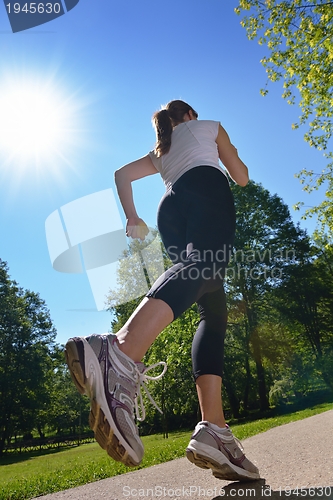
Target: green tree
{"x":240,"y":369}
{"x":298,"y":35}
{"x":64,"y":409}
{"x":26,"y":337}
{"x":306,"y":298}
{"x":139,"y":267}
{"x":266,"y":243}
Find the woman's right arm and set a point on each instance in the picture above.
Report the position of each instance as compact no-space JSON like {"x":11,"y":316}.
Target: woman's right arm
{"x":229,"y":157}
{"x":135,"y":226}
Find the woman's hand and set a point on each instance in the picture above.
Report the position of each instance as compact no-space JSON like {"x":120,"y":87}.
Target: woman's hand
{"x":136,"y":228}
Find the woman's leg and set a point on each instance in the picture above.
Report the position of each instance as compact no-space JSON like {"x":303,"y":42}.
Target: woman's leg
{"x":142,"y":328}
{"x":208,"y":341}
{"x":207,"y":355}
{"x":209,"y":390}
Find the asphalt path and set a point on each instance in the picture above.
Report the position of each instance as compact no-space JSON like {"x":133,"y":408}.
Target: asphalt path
{"x":295,"y":461}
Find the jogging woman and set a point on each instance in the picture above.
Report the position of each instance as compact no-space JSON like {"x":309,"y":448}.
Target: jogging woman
{"x":196,"y":221}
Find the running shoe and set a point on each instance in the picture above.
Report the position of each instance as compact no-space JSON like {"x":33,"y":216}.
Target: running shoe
{"x":113,"y":383}
{"x":214,"y":448}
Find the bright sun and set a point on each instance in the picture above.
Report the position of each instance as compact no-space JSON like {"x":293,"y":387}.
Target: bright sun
{"x":31,"y":122}
{"x":35,"y":125}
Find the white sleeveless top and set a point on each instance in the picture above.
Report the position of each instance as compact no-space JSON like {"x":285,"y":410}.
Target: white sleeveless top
{"x":192,"y":145}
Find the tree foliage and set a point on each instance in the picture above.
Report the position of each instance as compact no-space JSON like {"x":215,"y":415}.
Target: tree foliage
{"x":26,"y":337}
{"x":306,"y":299}
{"x":266,"y":242}
{"x":298,"y":35}
{"x":36,"y":393}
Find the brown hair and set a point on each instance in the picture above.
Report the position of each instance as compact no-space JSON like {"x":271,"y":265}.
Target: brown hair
{"x":165,"y":120}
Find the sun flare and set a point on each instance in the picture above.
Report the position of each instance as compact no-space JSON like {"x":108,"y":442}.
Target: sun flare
{"x":31,"y":123}
{"x":37,"y":126}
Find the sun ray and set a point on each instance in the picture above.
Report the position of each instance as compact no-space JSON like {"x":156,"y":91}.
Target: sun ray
{"x":42,"y":129}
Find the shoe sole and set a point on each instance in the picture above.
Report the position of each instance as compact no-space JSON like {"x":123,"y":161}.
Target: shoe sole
{"x":226,"y":471}
{"x":104,"y":434}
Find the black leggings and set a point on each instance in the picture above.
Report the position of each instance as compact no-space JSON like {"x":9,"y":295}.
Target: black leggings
{"x":196,"y":220}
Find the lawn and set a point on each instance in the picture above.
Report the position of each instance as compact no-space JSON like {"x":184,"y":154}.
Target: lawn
{"x":29,"y":475}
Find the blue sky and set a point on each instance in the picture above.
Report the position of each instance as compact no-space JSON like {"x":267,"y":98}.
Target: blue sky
{"x":106,"y":67}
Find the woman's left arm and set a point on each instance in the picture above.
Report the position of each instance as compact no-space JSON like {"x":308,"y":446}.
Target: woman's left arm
{"x":228,"y":155}
{"x":135,"y":226}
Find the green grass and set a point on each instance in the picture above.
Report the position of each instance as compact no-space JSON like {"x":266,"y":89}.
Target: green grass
{"x":34,"y":475}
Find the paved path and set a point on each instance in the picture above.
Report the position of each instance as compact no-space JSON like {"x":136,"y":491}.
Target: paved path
{"x":296,"y":455}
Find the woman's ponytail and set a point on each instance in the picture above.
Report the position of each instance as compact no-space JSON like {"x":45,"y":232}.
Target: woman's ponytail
{"x":163,"y":128}
{"x":165,"y":120}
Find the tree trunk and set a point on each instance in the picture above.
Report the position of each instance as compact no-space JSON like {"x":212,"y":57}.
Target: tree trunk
{"x":263,"y":398}
{"x":247,"y":383}
{"x":233,"y":399}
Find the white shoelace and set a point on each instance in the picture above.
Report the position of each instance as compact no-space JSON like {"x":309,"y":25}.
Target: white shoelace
{"x":239,"y":443}
{"x":236,"y":439}
{"x":142,"y":380}
{"x":227,"y":428}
